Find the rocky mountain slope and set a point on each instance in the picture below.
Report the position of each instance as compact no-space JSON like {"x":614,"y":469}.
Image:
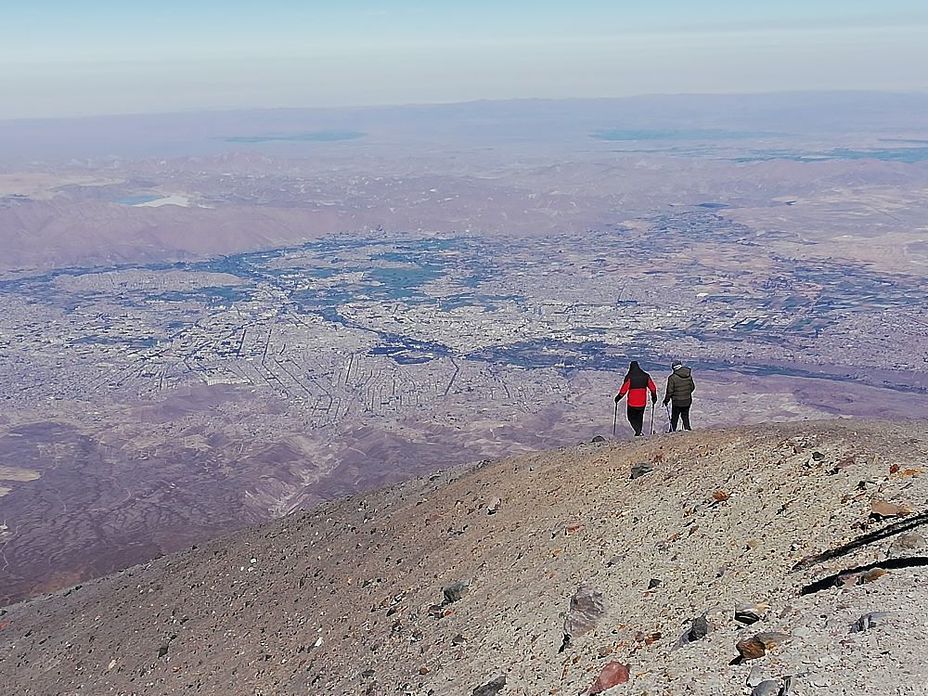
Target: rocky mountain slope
{"x":779,"y":560}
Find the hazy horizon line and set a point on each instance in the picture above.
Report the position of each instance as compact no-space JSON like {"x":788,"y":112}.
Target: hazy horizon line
{"x":463,"y":102}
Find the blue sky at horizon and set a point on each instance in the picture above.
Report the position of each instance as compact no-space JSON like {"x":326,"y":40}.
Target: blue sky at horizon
{"x":61,"y":58}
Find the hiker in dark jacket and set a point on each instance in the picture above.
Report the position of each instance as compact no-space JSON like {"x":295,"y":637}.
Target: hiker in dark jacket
{"x":680,"y":388}
{"x":637,"y":384}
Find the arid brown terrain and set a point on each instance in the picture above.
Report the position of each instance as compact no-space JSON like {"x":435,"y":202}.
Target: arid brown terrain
{"x":211,"y":320}
{"x":748,"y":560}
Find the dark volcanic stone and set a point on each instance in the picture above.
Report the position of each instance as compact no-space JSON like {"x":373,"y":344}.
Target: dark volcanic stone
{"x":698,"y":630}
{"x":491,"y":688}
{"x":747,"y":615}
{"x":868,"y":621}
{"x":456,"y":591}
{"x":586,"y":609}
{"x":768,"y":687}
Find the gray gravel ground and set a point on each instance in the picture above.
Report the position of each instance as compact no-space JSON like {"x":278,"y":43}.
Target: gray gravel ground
{"x":348,"y":599}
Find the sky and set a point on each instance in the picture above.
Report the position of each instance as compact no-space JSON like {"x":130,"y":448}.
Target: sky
{"x":80,"y":57}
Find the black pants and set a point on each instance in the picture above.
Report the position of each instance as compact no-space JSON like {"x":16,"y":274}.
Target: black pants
{"x":635,"y":418}
{"x":679,"y":411}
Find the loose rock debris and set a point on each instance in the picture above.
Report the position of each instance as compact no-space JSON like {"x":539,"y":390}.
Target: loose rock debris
{"x":881,"y":510}
{"x":869,"y":620}
{"x":491,"y":688}
{"x":587,"y":607}
{"x":613,"y":674}
{"x":456,"y":591}
{"x":365,"y":576}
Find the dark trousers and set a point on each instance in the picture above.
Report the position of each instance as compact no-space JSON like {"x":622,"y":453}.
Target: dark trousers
{"x":635,"y":418}
{"x":680,"y":411}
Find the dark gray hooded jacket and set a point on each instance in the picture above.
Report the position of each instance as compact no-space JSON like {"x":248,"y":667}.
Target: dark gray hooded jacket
{"x":680,"y":387}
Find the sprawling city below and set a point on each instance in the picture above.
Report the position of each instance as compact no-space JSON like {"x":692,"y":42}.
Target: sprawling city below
{"x":260,"y":323}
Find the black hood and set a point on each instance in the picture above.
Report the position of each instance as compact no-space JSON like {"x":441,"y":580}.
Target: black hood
{"x":637,"y":377}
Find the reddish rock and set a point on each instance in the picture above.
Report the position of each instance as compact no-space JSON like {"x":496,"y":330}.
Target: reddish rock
{"x":751,"y":649}
{"x":613,"y":674}
{"x":880,"y":509}
{"x":861,"y":578}
{"x":871,"y":575}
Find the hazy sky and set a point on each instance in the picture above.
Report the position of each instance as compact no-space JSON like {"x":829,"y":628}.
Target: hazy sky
{"x":71,"y":57}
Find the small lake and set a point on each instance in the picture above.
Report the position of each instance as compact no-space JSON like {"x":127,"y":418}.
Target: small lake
{"x":138,"y":199}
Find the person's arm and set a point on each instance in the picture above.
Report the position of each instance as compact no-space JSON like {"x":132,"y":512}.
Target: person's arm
{"x":667,"y":393}
{"x":653,"y":388}
{"x":623,"y":391}
{"x":692,"y":384}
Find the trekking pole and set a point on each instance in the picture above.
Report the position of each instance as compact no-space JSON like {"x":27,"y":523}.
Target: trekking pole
{"x":669,"y":419}
{"x":615,"y":417}
{"x":652,"y":417}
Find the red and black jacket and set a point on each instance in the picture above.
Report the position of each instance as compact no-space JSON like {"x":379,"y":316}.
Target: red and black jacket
{"x":636,"y":386}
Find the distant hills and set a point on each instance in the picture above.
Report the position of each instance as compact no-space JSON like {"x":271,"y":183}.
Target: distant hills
{"x":488,"y":123}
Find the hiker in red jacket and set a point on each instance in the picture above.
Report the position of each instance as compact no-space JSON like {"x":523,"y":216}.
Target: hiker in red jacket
{"x":637,"y":384}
